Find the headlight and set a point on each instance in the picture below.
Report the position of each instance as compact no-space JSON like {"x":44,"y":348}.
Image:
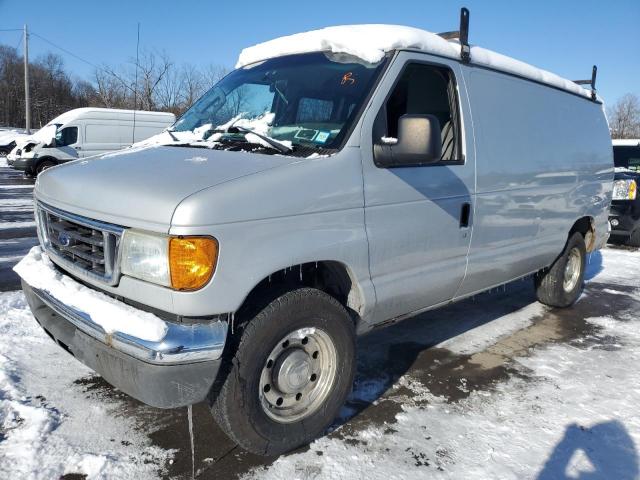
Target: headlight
{"x":624,"y":190}
{"x":182,"y":263}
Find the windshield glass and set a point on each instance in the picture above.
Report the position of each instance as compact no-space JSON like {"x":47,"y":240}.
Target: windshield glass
{"x":308,"y":100}
{"x":627,"y":157}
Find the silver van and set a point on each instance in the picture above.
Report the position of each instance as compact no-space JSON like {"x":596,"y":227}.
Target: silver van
{"x":84,"y":132}
{"x":336,"y":181}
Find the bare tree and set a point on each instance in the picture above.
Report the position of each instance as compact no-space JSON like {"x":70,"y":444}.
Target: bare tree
{"x":160,"y":86}
{"x":624,"y":117}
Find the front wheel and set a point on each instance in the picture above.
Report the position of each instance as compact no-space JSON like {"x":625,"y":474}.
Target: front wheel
{"x":291,"y":372}
{"x":561,"y":284}
{"x":44,"y":165}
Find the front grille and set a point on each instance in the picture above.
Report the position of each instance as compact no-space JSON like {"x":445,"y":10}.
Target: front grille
{"x":86,"y":247}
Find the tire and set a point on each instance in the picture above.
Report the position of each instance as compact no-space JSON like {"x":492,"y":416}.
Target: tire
{"x":560,"y":285}
{"x":245,"y":403}
{"x":43,"y":165}
{"x":634,"y":239}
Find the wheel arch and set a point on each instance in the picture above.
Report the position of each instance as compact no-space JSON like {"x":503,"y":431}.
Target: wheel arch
{"x":330,"y":276}
{"x":585,"y":226}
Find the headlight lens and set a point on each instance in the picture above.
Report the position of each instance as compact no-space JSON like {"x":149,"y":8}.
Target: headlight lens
{"x":182,"y":263}
{"x":145,"y":256}
{"x":624,"y":190}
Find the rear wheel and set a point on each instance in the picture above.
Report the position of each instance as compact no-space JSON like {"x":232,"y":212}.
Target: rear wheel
{"x":561,"y":284}
{"x":634,"y":239}
{"x":292,"y":370}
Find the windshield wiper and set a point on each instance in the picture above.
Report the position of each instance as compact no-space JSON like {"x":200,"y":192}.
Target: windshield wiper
{"x":274,"y":143}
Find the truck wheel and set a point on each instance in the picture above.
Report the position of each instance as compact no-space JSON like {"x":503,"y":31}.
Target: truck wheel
{"x":561,"y":284}
{"x":42,"y":166}
{"x":291,"y":372}
{"x":634,"y":239}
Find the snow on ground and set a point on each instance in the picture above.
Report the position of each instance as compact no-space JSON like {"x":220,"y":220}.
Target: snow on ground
{"x":59,"y":429}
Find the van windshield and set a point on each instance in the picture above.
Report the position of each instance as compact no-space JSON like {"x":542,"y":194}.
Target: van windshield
{"x":301,"y":101}
{"x":627,"y":157}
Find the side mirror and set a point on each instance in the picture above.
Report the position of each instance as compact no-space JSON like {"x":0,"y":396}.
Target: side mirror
{"x":419,"y":143}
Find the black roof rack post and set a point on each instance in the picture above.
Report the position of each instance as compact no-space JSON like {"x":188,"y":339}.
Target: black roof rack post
{"x":592,"y":82}
{"x":465,"y":49}
{"x":462,"y":35}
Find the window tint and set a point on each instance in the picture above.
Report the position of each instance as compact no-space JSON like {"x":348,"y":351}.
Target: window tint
{"x":425,"y":90}
{"x":67,"y":136}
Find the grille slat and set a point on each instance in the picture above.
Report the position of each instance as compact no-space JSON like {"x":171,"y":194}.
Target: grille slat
{"x":85,"y":245}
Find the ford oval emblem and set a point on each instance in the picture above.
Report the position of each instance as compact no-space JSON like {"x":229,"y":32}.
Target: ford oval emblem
{"x":64,"y":239}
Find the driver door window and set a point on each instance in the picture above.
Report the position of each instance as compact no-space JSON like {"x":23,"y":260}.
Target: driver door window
{"x":426,"y":90}
{"x":66,"y":136}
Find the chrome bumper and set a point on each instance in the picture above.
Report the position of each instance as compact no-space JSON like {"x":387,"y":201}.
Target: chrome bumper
{"x":181,"y":344}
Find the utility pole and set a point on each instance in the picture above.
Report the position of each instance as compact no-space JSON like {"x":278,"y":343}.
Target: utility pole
{"x":27,"y":99}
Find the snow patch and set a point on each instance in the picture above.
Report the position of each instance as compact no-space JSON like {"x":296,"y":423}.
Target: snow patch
{"x":51,"y":426}
{"x":371,"y":42}
{"x":113,"y":316}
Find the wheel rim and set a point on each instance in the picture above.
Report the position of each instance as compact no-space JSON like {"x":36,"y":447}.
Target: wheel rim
{"x":298,"y":375}
{"x":572,"y":270}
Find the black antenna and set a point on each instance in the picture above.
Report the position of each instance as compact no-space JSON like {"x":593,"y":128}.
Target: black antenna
{"x":462,"y":35}
{"x":592,"y":82}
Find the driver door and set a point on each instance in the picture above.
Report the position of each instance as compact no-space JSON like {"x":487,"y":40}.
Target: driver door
{"x":68,"y":144}
{"x":419,"y":219}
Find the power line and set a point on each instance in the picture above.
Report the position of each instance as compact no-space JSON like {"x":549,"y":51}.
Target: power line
{"x":77,"y":57}
{"x":10,"y":30}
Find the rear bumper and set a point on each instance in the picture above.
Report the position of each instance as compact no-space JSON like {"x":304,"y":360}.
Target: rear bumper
{"x":176,"y":371}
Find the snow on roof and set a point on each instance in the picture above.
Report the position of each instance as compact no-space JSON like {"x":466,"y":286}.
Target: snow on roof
{"x":371,"y":42}
{"x":630,"y":142}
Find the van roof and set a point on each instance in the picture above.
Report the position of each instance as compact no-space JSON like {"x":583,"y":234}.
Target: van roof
{"x":71,"y":115}
{"x":629,"y":142}
{"x":371,"y":42}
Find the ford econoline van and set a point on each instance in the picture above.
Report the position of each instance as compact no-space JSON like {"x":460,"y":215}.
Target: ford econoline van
{"x":336,"y":181}
{"x":85,"y":132}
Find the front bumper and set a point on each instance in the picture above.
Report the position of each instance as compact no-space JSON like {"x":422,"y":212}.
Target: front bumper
{"x":24,"y":164}
{"x":178,"y":370}
{"x":624,"y":217}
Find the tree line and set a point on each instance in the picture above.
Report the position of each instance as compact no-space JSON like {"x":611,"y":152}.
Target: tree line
{"x":154,"y":82}
{"x":160,"y":84}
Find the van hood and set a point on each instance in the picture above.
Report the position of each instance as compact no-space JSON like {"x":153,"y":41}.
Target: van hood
{"x":141,"y":187}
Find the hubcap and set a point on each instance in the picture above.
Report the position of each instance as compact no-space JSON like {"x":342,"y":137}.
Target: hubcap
{"x":572,"y":270}
{"x":298,"y":375}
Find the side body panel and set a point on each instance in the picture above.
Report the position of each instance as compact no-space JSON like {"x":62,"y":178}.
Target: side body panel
{"x":544,"y":160}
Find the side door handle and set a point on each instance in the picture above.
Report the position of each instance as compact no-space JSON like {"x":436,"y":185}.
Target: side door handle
{"x":78,"y":148}
{"x":465,"y":215}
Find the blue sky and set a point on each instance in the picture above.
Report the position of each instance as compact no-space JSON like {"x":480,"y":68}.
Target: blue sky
{"x":566,"y":37}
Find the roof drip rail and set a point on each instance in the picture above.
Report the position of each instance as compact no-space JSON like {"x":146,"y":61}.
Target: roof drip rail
{"x":462,"y":35}
{"x":592,"y":82}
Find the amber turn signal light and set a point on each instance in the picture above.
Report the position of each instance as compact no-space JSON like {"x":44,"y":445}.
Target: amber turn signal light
{"x":192,"y":261}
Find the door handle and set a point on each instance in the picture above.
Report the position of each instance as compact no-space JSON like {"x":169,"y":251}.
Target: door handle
{"x":465,"y":214}
{"x":78,"y":148}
